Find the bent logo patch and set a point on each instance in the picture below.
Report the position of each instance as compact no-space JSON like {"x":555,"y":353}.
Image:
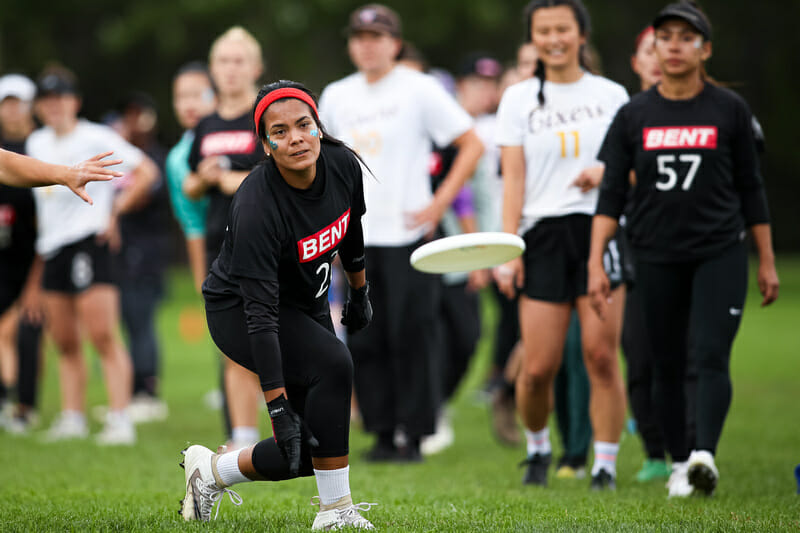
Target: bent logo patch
{"x":228,"y":142}
{"x":326,"y":239}
{"x":680,"y":137}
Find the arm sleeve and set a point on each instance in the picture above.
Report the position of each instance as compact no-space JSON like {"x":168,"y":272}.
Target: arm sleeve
{"x":191,"y":214}
{"x":746,"y":173}
{"x":616,"y":153}
{"x":261,"y":312}
{"x":444,"y":119}
{"x":351,"y":250}
{"x":510,"y":127}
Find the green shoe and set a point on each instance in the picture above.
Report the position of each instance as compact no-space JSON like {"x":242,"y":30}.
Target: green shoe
{"x":653,"y":469}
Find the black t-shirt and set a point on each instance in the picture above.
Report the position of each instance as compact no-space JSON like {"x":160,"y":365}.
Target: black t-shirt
{"x":277,"y":233}
{"x":698,"y":183}
{"x":236,"y":140}
{"x":17,"y":227}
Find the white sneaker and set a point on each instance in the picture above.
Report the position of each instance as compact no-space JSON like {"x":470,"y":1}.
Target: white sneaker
{"x":678,"y":484}
{"x":144,"y":408}
{"x":441,"y":440}
{"x":65,"y":427}
{"x":118,"y":431}
{"x":203,"y":489}
{"x":702,"y":472}
{"x":333,"y":519}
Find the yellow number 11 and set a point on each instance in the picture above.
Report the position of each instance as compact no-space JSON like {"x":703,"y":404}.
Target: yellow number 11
{"x":563,"y":136}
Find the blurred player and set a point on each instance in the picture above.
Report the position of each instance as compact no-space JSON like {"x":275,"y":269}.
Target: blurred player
{"x":74,"y":239}
{"x":698,"y":189}
{"x":392,"y":115}
{"x":549,"y":128}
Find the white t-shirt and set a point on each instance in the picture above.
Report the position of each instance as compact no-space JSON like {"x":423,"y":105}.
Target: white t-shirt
{"x":62,"y":217}
{"x":559,"y":140}
{"x":487,"y":183}
{"x":391,"y":124}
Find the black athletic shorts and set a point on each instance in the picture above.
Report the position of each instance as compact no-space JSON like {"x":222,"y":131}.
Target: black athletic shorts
{"x":78,"y":266}
{"x":556,"y":253}
{"x":618,"y":260}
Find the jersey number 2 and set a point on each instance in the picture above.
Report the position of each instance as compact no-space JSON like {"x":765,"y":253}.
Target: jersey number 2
{"x":671,"y":176}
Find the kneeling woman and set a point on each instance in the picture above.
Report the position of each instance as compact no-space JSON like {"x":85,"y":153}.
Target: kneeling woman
{"x":289,"y":219}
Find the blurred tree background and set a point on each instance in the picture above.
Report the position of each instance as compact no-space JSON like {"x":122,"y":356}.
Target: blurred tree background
{"x":117,"y":47}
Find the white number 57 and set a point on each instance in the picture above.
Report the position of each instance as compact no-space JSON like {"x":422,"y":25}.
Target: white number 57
{"x":667,"y":171}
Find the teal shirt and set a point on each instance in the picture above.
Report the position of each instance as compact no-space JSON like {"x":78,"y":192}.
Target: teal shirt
{"x":191,"y":214}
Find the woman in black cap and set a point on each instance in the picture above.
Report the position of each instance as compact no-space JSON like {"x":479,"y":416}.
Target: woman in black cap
{"x":267,"y":308}
{"x":698,"y":189}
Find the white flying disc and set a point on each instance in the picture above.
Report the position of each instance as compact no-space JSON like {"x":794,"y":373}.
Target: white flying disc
{"x":469,"y":251}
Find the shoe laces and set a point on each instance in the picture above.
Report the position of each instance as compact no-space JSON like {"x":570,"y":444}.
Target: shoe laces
{"x":211,"y":495}
{"x":351,"y":516}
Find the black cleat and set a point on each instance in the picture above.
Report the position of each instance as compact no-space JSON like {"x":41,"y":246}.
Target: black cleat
{"x":536,"y":473}
{"x":603,"y":481}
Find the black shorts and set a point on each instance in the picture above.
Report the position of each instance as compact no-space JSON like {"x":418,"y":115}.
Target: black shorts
{"x":78,"y":266}
{"x":556,"y":253}
{"x":618,"y":260}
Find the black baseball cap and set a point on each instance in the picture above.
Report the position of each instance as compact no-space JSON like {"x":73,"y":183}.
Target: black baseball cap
{"x":56,"y":83}
{"x":375,"y":18}
{"x":688,"y":13}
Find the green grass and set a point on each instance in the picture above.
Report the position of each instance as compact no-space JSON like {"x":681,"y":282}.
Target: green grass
{"x":475,"y":485}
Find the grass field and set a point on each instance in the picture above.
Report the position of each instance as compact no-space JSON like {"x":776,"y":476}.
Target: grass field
{"x":473,"y":486}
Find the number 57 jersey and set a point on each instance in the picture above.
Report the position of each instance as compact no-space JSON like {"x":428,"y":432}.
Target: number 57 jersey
{"x":697,"y":179}
{"x":277,"y":233}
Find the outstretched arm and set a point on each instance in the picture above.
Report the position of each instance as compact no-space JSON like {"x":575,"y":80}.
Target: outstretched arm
{"x":23,"y":171}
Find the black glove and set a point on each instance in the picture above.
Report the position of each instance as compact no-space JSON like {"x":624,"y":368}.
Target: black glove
{"x":290,"y":432}
{"x":357,"y":311}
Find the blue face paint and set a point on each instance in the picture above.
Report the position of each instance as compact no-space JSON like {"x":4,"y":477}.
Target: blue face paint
{"x":272,"y":144}
{"x":314,"y":133}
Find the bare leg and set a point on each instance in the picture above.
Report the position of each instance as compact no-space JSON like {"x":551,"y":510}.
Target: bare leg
{"x":543,"y":326}
{"x":8,"y":348}
{"x":98,"y":311}
{"x":243,"y":394}
{"x":62,"y":322}
{"x":601,"y":341}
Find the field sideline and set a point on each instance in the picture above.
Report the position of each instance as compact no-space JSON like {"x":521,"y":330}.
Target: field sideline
{"x":473,"y":486}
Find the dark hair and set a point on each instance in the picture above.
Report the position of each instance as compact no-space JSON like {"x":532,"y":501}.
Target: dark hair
{"x":195,"y":67}
{"x":325,"y":137}
{"x":584,"y":25}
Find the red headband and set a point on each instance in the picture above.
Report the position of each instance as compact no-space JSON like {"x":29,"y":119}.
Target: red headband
{"x":286,"y":92}
{"x":639,"y":38}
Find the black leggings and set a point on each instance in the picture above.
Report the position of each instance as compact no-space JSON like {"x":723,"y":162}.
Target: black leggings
{"x":692,"y":312}
{"x":318,"y":373}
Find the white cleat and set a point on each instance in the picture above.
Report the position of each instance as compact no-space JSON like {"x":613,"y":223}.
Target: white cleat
{"x":66,"y":427}
{"x":202,"y":488}
{"x":678,"y":484}
{"x":702,"y":472}
{"x":347,"y":517}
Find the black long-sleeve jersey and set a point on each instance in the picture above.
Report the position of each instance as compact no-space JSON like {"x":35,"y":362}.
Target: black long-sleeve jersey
{"x":280,"y":243}
{"x":698,"y":184}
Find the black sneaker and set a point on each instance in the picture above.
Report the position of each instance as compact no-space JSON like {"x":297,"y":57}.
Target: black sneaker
{"x":603,"y":481}
{"x":381,"y":454}
{"x":536,"y":473}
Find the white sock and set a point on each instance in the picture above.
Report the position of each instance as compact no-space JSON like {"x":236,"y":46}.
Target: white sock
{"x":228,"y":468}
{"x":245,"y":435}
{"x":74,"y":416}
{"x":605,"y":457}
{"x":332,"y":485}
{"x":538,"y":441}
